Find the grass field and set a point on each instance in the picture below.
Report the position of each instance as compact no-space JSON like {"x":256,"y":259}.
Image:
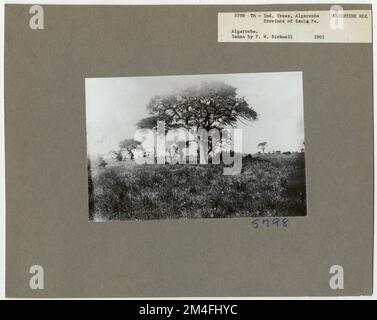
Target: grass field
{"x":269,"y":185}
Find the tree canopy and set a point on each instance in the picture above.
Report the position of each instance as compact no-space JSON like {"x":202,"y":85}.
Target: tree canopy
{"x":210,"y":105}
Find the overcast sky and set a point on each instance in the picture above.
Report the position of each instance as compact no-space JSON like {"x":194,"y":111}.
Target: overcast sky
{"x":115,"y":105}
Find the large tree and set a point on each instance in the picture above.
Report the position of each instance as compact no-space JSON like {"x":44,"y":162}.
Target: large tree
{"x":209,"y":105}
{"x":91,"y":192}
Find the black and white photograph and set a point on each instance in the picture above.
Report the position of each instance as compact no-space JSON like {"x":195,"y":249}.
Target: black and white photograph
{"x":195,"y":146}
{"x":197,"y":151}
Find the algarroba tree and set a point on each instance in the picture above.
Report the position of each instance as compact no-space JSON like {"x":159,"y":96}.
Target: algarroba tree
{"x":262,"y":146}
{"x":129,"y":145}
{"x":209,"y":105}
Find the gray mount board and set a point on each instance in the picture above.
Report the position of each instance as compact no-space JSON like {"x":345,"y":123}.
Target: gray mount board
{"x":46,"y":169}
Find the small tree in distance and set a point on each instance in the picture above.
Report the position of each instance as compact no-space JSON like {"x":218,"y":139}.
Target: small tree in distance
{"x":262,"y":146}
{"x":129,"y":145}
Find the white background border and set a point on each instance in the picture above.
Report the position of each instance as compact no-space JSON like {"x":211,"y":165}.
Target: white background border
{"x":145,"y":2}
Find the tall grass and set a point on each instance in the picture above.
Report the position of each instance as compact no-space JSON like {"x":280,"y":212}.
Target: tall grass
{"x":269,"y":185}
